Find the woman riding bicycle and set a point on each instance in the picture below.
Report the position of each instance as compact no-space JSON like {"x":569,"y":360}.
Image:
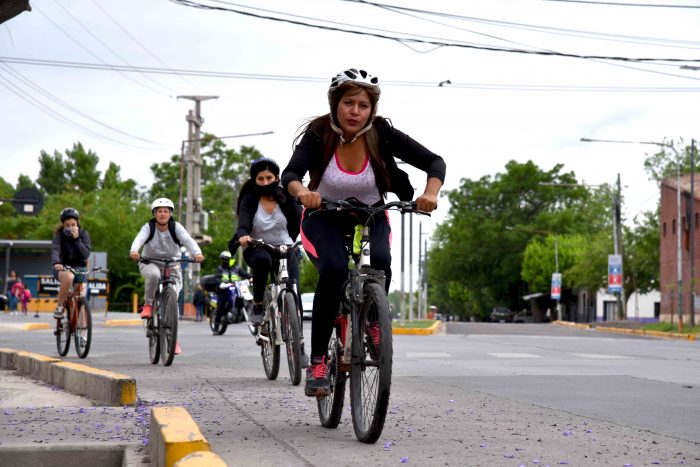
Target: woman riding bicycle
{"x":161,"y":238}
{"x":70,"y":247}
{"x":265,"y":213}
{"x":350,"y":152}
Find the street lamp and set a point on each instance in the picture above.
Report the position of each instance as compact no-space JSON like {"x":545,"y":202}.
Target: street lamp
{"x":679,"y":257}
{"x":556,"y":253}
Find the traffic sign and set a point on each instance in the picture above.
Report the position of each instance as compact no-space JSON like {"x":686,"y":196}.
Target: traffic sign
{"x":614,"y":273}
{"x":556,"y":286}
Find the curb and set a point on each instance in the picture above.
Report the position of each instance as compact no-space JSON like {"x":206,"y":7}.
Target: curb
{"x":175,"y":439}
{"x":639,"y":332}
{"x":104,"y":387}
{"x":122,"y":322}
{"x":35,"y":326}
{"x":418,"y":331}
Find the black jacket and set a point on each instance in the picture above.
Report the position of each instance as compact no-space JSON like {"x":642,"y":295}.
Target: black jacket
{"x":393,"y":144}
{"x":249,"y":206}
{"x":71,"y":251}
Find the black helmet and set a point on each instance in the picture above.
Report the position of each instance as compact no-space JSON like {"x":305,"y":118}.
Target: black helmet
{"x":261,"y":163}
{"x":67,"y":213}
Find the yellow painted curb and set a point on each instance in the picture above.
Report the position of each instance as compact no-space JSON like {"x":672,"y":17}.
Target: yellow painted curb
{"x":201,"y":459}
{"x":174,"y":435}
{"x":35,"y":326}
{"x":572,"y":325}
{"x":418,"y":331}
{"x":123,"y":322}
{"x":120,"y":388}
{"x":644,"y":332}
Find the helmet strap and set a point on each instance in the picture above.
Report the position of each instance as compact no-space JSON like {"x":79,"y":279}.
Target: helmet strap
{"x":339,"y":131}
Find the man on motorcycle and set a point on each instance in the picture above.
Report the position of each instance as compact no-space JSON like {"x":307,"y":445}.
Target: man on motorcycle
{"x":227,"y":272}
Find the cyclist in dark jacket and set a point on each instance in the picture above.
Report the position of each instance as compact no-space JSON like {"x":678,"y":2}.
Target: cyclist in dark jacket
{"x":350,"y":152}
{"x":71,"y":247}
{"x":229,"y":273}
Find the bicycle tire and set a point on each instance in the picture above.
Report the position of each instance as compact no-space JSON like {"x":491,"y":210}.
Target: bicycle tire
{"x":167,"y":326}
{"x":63,"y":333}
{"x":370,"y":374}
{"x":83,"y":334}
{"x":269,"y":351}
{"x":330,"y":407}
{"x":152,"y":334}
{"x":290,"y":318}
{"x":221,"y":327}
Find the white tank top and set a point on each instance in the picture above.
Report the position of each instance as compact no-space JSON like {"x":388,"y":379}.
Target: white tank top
{"x":338,"y":183}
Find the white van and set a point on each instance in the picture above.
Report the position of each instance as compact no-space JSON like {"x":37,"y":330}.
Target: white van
{"x":307,"y":304}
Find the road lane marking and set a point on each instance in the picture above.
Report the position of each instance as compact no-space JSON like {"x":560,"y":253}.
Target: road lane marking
{"x":514,"y":355}
{"x":600,"y":356}
{"x":428,"y":355}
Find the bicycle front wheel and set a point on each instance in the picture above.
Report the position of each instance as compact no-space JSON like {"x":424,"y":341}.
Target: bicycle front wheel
{"x":330,"y":407}
{"x":152,"y":335}
{"x":63,"y":334}
{"x":370,"y":374}
{"x":269,"y":350}
{"x":290,"y":318}
{"x":167,"y":326}
{"x":83,"y":328}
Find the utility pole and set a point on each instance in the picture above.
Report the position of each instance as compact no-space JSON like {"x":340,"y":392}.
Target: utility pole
{"x":402,"y":306}
{"x":691,"y":221}
{"x":193,"y":202}
{"x":617,"y":240}
{"x":410,"y":269}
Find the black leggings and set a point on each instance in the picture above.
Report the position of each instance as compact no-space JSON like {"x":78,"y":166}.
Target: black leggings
{"x":262,"y":264}
{"x":323,"y":235}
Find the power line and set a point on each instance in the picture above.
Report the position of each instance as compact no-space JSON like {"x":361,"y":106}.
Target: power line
{"x":625,"y":4}
{"x":65,"y":105}
{"x":311,"y":79}
{"x":52,"y":113}
{"x":139,"y":43}
{"x":67,"y":34}
{"x":193,"y":4}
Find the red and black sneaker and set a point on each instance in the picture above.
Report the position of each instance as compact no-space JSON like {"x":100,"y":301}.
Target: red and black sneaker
{"x":317,"y":382}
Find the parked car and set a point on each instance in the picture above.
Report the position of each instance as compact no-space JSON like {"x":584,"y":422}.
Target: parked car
{"x":307,"y":305}
{"x":501,"y":313}
{"x":524,"y":316}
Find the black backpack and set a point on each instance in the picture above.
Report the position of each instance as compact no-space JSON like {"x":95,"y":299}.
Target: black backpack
{"x":171,"y":229}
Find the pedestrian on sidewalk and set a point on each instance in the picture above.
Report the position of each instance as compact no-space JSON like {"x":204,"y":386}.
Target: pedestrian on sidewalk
{"x":26,"y":296}
{"x":199,"y":300}
{"x":12,"y":279}
{"x":17,"y":294}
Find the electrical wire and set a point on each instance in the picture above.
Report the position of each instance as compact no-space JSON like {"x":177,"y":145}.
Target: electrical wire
{"x":311,"y":79}
{"x":139,"y":43}
{"x":67,"y":34}
{"x":625,"y":4}
{"x":193,"y":4}
{"x":67,"y":106}
{"x":16,"y":90}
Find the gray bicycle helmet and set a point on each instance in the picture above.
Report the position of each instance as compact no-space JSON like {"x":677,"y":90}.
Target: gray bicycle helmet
{"x":355,"y":76}
{"x":68,"y":213}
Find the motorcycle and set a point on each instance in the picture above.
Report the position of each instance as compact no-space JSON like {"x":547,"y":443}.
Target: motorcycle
{"x":241,"y":304}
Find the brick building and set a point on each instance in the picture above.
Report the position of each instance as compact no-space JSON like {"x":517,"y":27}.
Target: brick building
{"x":668,"y":273}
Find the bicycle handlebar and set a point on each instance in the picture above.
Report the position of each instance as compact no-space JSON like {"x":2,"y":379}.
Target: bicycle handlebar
{"x":273,"y":249}
{"x":86,"y":272}
{"x":355,"y":205}
{"x":166,"y":261}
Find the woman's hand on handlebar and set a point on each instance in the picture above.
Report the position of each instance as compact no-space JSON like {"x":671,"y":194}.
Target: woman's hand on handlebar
{"x":426,"y":202}
{"x":135,"y":255}
{"x":198,"y":258}
{"x":310,"y":199}
{"x":58,"y":267}
{"x":244,"y":240}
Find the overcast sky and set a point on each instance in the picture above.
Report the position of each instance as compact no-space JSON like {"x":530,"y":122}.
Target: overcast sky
{"x":500,"y":106}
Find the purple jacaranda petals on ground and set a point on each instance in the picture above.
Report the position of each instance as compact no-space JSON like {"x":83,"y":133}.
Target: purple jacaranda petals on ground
{"x":627,"y":465}
{"x":145,"y":441}
{"x":410,"y":428}
{"x":563,"y":462}
{"x":509,"y":456}
{"x":588,"y":430}
{"x":482,"y":445}
{"x":81,"y":411}
{"x":387,"y":445}
{"x":567,"y":433}
{"x":656,"y":462}
{"x":7,"y":412}
{"x":535,"y":461}
{"x":404,"y":460}
{"x":522,"y":465}
{"x":450,"y":411}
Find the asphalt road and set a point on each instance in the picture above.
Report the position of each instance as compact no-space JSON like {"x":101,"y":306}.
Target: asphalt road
{"x":479,"y":394}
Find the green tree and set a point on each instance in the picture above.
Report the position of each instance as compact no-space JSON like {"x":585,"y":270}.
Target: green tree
{"x":112,"y":181}
{"x":475,"y":262}
{"x":83,"y":164}
{"x":54,"y":173}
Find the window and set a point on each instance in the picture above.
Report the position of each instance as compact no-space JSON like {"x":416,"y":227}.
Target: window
{"x":664,"y":229}
{"x":673,"y":227}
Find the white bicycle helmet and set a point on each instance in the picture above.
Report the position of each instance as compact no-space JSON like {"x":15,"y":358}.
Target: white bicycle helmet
{"x":353,"y":75}
{"x":162,"y":203}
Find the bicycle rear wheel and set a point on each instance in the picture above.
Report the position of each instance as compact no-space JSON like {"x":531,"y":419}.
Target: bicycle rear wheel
{"x":83,"y":328}
{"x":269,"y":350}
{"x":290,"y":321}
{"x":167,"y":327}
{"x":370,"y":374}
{"x":330,"y":407}
{"x":62,"y":333}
